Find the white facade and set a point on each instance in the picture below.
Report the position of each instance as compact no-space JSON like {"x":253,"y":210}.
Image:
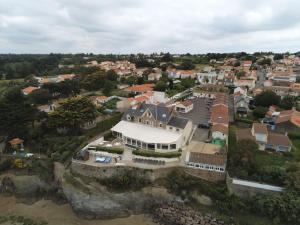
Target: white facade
{"x":207,"y":78}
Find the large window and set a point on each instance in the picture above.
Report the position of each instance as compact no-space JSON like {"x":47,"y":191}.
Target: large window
{"x":165,"y":147}
{"x":151,"y":146}
{"x":173,"y":146}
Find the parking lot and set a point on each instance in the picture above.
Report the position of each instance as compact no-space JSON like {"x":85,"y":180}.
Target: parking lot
{"x":199,"y":115}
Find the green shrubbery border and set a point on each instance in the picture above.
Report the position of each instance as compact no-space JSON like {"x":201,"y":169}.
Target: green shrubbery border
{"x":156,"y":154}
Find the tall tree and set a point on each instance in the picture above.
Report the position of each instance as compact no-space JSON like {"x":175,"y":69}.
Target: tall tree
{"x":15,"y":114}
{"x":72,"y":113}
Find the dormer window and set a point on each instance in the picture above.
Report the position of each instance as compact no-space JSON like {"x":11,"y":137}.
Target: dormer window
{"x":148,"y":114}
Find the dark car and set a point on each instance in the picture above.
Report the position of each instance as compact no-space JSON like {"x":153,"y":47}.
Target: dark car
{"x":204,"y":125}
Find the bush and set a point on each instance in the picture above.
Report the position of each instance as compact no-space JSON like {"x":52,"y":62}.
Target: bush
{"x":156,"y":154}
{"x":5,"y":165}
{"x":294,"y":135}
{"x":244,"y":120}
{"x":127,"y":181}
{"x":110,"y":150}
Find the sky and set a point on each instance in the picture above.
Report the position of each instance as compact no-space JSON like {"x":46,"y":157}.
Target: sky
{"x":147,"y":26}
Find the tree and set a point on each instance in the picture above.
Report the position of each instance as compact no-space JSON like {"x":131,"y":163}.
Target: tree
{"x":287,"y":102}
{"x":245,"y":154}
{"x":187,"y":65}
{"x":93,"y":82}
{"x":240,"y":74}
{"x":108,"y":87}
{"x":187,"y":82}
{"x":278,"y":56}
{"x":72,"y":113}
{"x":260,"y":112}
{"x":15,"y":114}
{"x":292,"y":180}
{"x":267,"y":98}
{"x":40,"y":96}
{"x":167,"y":57}
{"x":160,"y":86}
{"x":141,"y":80}
{"x":111,"y":75}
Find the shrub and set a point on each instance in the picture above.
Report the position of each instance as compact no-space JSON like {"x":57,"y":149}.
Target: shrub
{"x":127,"y":181}
{"x":110,"y":150}
{"x":294,"y":135}
{"x":156,"y":154}
{"x":5,"y":165}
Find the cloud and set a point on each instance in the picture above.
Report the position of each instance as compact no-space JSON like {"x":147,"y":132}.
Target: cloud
{"x":131,"y":26}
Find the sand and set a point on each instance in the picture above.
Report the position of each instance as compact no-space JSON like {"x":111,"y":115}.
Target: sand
{"x":46,"y":210}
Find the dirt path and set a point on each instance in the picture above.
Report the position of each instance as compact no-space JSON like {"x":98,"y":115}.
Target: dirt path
{"x":54,"y":214}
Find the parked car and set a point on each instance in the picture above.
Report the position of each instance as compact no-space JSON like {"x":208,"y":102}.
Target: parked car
{"x":204,"y":125}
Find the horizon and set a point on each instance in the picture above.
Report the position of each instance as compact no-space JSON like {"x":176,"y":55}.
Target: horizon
{"x":132,"y":26}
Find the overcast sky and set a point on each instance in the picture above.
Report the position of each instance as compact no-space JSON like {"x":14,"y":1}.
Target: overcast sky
{"x":131,"y":26}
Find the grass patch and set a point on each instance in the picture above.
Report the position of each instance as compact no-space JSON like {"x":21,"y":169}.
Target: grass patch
{"x":110,"y":150}
{"x":156,"y":154}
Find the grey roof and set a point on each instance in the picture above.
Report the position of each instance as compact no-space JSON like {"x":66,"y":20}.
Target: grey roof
{"x":239,"y":98}
{"x":159,"y":112}
{"x":178,"y":122}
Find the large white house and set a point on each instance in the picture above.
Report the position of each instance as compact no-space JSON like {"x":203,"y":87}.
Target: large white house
{"x":153,"y":127}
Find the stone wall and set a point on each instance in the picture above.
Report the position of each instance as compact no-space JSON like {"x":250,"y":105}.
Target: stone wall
{"x":110,"y":171}
{"x":211,"y":176}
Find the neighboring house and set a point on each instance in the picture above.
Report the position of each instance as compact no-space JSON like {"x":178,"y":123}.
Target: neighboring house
{"x":205,"y":156}
{"x":240,"y":90}
{"x":284,"y":91}
{"x":241,"y":105}
{"x":154,"y":76}
{"x":246,"y":63}
{"x":207,"y":78}
{"x":265,"y":139}
{"x":47,"y":108}
{"x":28,"y":90}
{"x":99,"y":100}
{"x":219,"y":134}
{"x":153,"y":127}
{"x":219,"y":110}
{"x":184,"y":106}
{"x":140,"y":89}
{"x":245,"y":83}
{"x":179,"y":74}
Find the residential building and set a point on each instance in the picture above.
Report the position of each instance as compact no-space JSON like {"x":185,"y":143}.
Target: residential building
{"x":264,"y":138}
{"x":140,"y":89}
{"x":219,"y":134}
{"x":179,"y":74}
{"x":28,"y":90}
{"x":206,"y":156}
{"x":207,"y":78}
{"x":184,"y":106}
{"x":99,"y":100}
{"x":153,"y":127}
{"x":241,"y":103}
{"x":154,"y":76}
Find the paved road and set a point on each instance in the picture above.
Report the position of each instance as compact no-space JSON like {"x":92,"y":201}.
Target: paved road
{"x":231,"y":108}
{"x":261,"y":75}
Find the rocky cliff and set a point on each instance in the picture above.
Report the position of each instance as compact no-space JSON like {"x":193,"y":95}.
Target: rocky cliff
{"x":25,"y":185}
{"x":95,"y":201}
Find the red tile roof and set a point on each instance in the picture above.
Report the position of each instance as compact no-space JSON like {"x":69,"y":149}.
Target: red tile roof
{"x":28,"y":90}
{"x":141,"y":88}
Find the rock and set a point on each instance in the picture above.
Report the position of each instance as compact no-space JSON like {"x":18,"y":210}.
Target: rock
{"x":24,"y":185}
